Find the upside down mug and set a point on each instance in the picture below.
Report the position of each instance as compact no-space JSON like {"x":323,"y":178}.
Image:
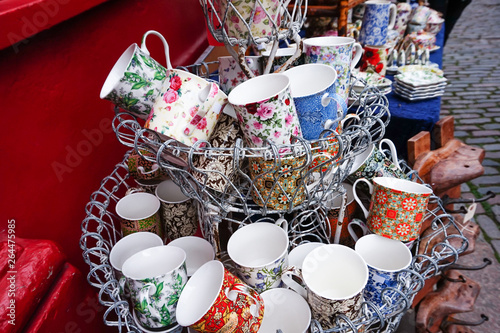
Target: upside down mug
{"x":136,"y":78}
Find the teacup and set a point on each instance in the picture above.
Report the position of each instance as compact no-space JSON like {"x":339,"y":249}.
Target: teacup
{"x":298,"y":254}
{"x":187,"y":108}
{"x":379,"y":17}
{"x":179,"y":212}
{"x":363,"y":231}
{"x":279,"y":304}
{"x":402,"y":17}
{"x":313,"y":92}
{"x":339,"y":232}
{"x":266,"y":111}
{"x":421,"y":15}
{"x":198,"y":251}
{"x":214,"y":300}
{"x":139,"y":212}
{"x":342,"y":53}
{"x":335,"y":277}
{"x":397,"y":207}
{"x":386,"y":259}
{"x":142,"y":169}
{"x":260,"y":253}
{"x":231,"y":74}
{"x":156,"y":277}
{"x":128,"y":246}
{"x":373,"y":163}
{"x":281,"y":57}
{"x":136,"y":79}
{"x":374,"y":59}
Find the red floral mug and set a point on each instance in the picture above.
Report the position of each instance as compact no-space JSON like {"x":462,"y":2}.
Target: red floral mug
{"x":374,"y":59}
{"x":397,"y":207}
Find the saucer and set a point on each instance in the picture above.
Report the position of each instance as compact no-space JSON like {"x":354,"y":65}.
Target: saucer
{"x":420,"y":75}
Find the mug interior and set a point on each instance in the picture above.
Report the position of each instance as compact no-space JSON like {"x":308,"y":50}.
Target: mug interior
{"x":137,"y":206}
{"x":153,"y":262}
{"x":199,"y":293}
{"x":328,"y":41}
{"x":168,"y":191}
{"x":130,"y":245}
{"x":402,"y":185}
{"x":383,"y":253}
{"x":257,"y":244}
{"x":198,"y":251}
{"x":258,"y":89}
{"x":117,"y":71}
{"x":309,"y":79}
{"x":335,"y":272}
{"x":360,"y":159}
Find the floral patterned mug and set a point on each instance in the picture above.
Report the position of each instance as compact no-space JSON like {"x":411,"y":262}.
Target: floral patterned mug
{"x":136,"y":79}
{"x":260,"y":253}
{"x":379,"y":17}
{"x":397,"y":207}
{"x":342,"y":53}
{"x":374,"y":59}
{"x":231,"y":74}
{"x":156,"y":277}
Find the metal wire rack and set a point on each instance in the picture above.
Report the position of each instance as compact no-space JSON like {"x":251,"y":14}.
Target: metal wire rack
{"x":226,"y":209}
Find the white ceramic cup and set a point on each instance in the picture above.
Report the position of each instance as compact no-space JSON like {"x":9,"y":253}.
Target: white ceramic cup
{"x":139,"y":212}
{"x":198,"y":251}
{"x":285,"y":310}
{"x":386,"y":258}
{"x":297,"y":255}
{"x":260,"y":253}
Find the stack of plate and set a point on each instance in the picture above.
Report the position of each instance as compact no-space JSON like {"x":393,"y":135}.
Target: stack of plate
{"x":417,"y":82}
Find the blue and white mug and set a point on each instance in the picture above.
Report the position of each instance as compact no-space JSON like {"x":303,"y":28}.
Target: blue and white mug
{"x":313,"y":92}
{"x":379,"y":17}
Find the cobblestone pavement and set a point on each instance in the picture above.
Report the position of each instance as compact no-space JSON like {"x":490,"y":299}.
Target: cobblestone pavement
{"x":471,"y":62}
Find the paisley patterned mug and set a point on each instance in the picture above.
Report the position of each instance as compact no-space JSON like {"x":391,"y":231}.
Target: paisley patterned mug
{"x":136,"y":79}
{"x":214,"y":300}
{"x":156,"y":277}
{"x":397,"y":207}
{"x":260,"y":253}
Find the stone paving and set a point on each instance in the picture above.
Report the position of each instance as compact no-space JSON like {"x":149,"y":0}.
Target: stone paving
{"x":471,"y":62}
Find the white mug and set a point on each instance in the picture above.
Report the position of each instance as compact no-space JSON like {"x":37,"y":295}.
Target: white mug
{"x":198,"y":251}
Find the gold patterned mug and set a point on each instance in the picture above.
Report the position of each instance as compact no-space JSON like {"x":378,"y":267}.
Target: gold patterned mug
{"x":397,"y":207}
{"x":139,"y":212}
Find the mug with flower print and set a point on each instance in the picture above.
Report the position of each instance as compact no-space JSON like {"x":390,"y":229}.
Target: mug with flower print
{"x":379,"y":17}
{"x":187,"y":108}
{"x":179,"y":212}
{"x":397,"y":207}
{"x":374,"y":59}
{"x":260,"y":253}
{"x":342,"y":53}
{"x":139,"y":212}
{"x":266,"y":111}
{"x":231,"y":74}
{"x":136,"y":79}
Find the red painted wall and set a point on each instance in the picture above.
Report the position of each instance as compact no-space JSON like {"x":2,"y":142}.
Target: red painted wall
{"x":56,"y":138}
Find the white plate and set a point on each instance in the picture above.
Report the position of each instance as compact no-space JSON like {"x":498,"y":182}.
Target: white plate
{"x":401,"y":92}
{"x":412,"y":90}
{"x":417,"y":98}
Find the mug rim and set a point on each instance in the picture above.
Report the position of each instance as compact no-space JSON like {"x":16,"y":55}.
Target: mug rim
{"x":123,"y":244}
{"x":242,"y":99}
{"x":155,"y":205}
{"x":324,"y":39}
{"x":394,"y":243}
{"x":161,"y":251}
{"x":159,"y":188}
{"x":295,"y":71}
{"x":114,"y":78}
{"x":392,"y":183}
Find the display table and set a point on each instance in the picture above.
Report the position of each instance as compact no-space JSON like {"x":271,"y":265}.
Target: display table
{"x":408,"y":118}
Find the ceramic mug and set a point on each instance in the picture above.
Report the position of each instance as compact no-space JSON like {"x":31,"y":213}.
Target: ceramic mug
{"x":386,"y":259}
{"x":397,"y":207}
{"x":374,"y":59}
{"x":231,"y":74}
{"x":313,"y":92}
{"x":279,"y":304}
{"x":198,"y":251}
{"x":334,"y":276}
{"x":214,"y":300}
{"x":187,"y":108}
{"x":299,"y":253}
{"x":379,"y":17}
{"x":217,"y":171}
{"x":402,"y":17}
{"x":179,"y":212}
{"x":128,"y":246}
{"x":281,"y":56}
{"x":421,"y":15}
{"x":363,"y":231}
{"x":139,"y":212}
{"x":339,"y":231}
{"x":156,"y":277}
{"x":263,"y":17}
{"x":266,"y":111}
{"x":373,"y":163}
{"x":136,"y":79}
{"x":260,"y":253}
{"x":342,"y":53}
{"x":141,"y":168}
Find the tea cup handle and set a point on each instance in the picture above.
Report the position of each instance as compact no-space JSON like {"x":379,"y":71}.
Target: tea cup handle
{"x":355,"y":194}
{"x":360,"y":224}
{"x":327,"y":98}
{"x":239,"y":288}
{"x":282,"y":223}
{"x":290,"y":283}
{"x":358,"y":52}
{"x":330,"y":122}
{"x":144,"y":299}
{"x":208,"y":98}
{"x":392,"y":147}
{"x":165,"y":45}
{"x":154,"y":168}
{"x":121,"y":285}
{"x":392,"y":16}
